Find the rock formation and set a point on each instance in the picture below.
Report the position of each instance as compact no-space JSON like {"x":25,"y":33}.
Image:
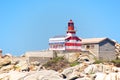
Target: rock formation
{"x":19,"y":69}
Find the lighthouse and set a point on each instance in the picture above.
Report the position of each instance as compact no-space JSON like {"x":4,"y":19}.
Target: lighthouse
{"x":72,"y":42}
{"x":68,"y":42}
{"x":71,"y":31}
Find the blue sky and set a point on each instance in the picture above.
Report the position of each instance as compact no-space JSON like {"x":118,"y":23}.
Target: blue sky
{"x":26,"y":25}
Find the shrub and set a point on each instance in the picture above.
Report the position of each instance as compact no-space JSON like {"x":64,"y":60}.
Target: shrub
{"x":98,"y":61}
{"x":116,"y":62}
{"x":57,"y":63}
{"x":53,"y":61}
{"x":56,"y":59}
{"x":74,"y":63}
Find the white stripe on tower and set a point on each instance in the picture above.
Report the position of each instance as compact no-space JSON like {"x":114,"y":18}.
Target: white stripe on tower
{"x":73,"y":48}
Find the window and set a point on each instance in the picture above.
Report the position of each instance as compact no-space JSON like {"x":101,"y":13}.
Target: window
{"x":87,"y":46}
{"x":90,"y":46}
{"x":70,"y":24}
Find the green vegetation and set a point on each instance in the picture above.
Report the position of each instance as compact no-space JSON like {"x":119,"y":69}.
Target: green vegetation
{"x":98,"y":61}
{"x":74,"y":63}
{"x":56,"y":59}
{"x":53,"y":61}
{"x":57,"y":63}
{"x":116,"y":62}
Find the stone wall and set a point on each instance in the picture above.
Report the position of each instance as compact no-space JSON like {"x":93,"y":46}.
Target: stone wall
{"x":41,"y":60}
{"x":39,"y":56}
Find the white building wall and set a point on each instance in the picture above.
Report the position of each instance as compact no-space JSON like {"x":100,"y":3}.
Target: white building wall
{"x":57,"y":43}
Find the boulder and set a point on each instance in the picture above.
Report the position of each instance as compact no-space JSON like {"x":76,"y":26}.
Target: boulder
{"x":107,"y":76}
{"x":5,"y":61}
{"x":73,"y":57}
{"x":91,"y":69}
{"x":4,"y":76}
{"x":75,"y":71}
{"x":69,"y":72}
{"x":15,"y":75}
{"x":99,"y":76}
{"x":44,"y":75}
{"x":7,"y":68}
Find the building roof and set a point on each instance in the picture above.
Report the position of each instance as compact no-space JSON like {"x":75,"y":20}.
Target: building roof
{"x":63,"y":37}
{"x":59,"y":36}
{"x":94,"y":40}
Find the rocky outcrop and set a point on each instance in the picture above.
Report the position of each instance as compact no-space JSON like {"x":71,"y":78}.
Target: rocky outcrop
{"x":39,"y":75}
{"x":82,"y":71}
{"x":85,"y":70}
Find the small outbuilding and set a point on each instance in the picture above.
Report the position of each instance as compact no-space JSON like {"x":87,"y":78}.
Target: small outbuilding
{"x":102,"y":48}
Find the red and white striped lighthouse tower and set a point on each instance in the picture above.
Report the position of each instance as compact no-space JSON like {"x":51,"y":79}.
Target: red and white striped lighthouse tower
{"x":72,"y":42}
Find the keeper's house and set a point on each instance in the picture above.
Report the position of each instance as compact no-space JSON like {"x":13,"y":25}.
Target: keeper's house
{"x":103,"y":48}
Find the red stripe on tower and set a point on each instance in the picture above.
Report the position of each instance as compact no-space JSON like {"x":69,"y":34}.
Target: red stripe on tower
{"x":72,"y":44}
